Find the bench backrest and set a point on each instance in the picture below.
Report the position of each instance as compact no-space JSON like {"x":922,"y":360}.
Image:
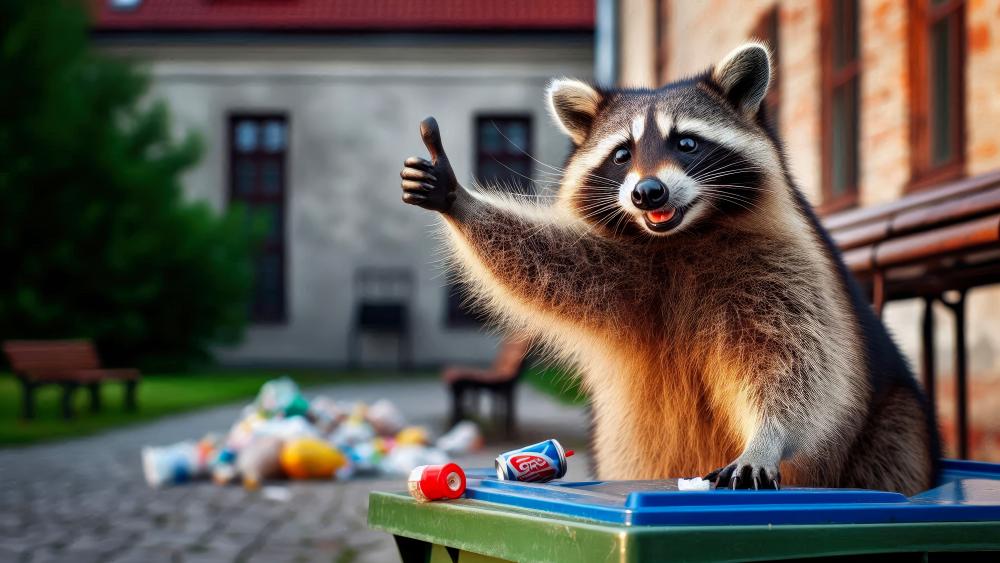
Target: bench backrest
{"x":511,"y":357}
{"x":47,"y":358}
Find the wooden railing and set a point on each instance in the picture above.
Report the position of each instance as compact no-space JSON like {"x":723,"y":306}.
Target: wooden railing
{"x":934,"y":245}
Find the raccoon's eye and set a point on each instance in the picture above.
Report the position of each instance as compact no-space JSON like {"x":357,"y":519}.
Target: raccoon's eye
{"x":622,"y":156}
{"x":687,"y":144}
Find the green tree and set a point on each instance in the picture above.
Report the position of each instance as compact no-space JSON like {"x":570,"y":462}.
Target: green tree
{"x":96,"y":238}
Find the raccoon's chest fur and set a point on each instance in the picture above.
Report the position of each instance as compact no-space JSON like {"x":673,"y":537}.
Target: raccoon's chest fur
{"x":669,"y":383}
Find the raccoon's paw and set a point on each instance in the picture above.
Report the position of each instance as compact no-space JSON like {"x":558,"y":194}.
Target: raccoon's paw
{"x":430,"y":184}
{"x":746,"y":474}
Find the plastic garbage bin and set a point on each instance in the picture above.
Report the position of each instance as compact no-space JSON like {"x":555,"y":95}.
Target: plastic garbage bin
{"x":653,"y":521}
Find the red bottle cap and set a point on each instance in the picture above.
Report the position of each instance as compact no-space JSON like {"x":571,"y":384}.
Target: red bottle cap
{"x":435,"y":482}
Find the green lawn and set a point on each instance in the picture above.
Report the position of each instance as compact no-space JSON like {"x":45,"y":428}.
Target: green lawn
{"x":158,"y":395}
{"x":558,"y":382}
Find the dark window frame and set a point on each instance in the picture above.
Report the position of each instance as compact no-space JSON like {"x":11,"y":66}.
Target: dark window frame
{"x":270,"y":247}
{"x":924,"y":173}
{"x":834,"y":78}
{"x":457,"y":313}
{"x":488,"y":120}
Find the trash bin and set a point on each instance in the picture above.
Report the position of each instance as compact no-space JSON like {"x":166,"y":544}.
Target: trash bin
{"x":653,"y":521}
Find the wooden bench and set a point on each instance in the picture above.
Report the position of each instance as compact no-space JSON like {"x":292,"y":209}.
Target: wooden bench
{"x":936,"y":245}
{"x":69,"y":364}
{"x":499,"y":380}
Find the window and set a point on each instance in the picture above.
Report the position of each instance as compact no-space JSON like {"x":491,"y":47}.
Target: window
{"x":937,"y":90}
{"x":503,"y":160}
{"x":459,"y":313}
{"x":258,"y":155}
{"x":841,"y":68}
{"x":503,"y":152}
{"x":766,"y":30}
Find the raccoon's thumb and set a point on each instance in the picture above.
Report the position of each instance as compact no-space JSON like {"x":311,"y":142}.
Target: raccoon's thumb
{"x":431,"y":135}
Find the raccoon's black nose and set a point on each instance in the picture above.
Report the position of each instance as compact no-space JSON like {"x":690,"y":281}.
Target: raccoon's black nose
{"x":649,"y":194}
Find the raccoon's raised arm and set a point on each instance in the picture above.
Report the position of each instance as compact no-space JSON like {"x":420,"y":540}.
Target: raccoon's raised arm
{"x":525,"y":259}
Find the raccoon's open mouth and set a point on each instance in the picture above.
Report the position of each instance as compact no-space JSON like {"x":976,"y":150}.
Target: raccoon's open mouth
{"x":663,"y":219}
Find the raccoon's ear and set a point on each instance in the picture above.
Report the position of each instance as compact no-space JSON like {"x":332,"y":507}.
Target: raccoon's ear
{"x":744,"y":75}
{"x":573,"y":105}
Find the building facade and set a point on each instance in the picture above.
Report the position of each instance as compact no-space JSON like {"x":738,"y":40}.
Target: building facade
{"x":875,"y":100}
{"x":308,"y":109}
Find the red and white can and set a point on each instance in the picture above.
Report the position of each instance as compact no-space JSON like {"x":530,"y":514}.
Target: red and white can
{"x":436,"y":482}
{"x":537,"y":463}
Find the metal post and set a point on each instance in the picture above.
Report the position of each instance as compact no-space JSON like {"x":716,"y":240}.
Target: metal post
{"x":878,"y":292}
{"x":927,"y":355}
{"x":961,"y":374}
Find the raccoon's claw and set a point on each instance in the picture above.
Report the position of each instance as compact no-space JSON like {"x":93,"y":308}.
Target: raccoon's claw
{"x":743,"y":475}
{"x":430,"y":184}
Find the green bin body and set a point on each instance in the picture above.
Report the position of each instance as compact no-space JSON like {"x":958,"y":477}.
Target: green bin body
{"x":652,"y":521}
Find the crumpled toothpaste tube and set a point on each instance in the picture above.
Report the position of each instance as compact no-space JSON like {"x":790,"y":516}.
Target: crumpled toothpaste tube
{"x":694,"y":484}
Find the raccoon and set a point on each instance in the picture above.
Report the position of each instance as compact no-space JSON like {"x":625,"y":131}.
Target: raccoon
{"x":711,"y":317}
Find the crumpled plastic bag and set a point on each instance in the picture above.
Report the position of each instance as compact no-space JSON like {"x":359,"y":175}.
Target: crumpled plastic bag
{"x":385,"y":417}
{"x":463,"y":438}
{"x":326,"y":414}
{"x":281,"y":397}
{"x":286,"y":428}
{"x":403,"y":458}
{"x":352,"y":432}
{"x":364,"y":458}
{"x":168,"y":465}
{"x":260,"y":460}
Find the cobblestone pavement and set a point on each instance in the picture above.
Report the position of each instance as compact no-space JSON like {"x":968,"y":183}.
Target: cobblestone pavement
{"x":85,"y":500}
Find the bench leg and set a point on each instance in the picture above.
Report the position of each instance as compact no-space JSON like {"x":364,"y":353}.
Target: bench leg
{"x":28,"y":400}
{"x":457,"y":410}
{"x":67,"y":399}
{"x":95,"y":396}
{"x":130,"y":402}
{"x":494,"y":399}
{"x":509,"y":427}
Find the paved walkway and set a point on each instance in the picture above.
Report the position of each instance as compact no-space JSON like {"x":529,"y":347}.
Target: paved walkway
{"x":85,"y":500}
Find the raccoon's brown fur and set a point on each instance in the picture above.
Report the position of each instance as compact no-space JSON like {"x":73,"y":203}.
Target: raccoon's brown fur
{"x":737,"y":341}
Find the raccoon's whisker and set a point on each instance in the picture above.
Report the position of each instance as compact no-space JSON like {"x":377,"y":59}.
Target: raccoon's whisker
{"x":528,"y":178}
{"x":706,"y":167}
{"x":560,"y":172}
{"x":717,"y":175}
{"x":741,"y":187}
{"x":702,"y":158}
{"x":597,"y":211}
{"x":621,"y":222}
{"x":603,"y":223}
{"x":529,"y":155}
{"x":725,"y":170}
{"x":587,"y":176}
{"x":722,"y":196}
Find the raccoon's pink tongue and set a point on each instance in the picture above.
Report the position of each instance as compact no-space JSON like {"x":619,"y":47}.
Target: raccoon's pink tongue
{"x":661,"y":215}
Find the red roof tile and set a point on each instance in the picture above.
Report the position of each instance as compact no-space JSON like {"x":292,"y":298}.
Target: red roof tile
{"x":346,"y":15}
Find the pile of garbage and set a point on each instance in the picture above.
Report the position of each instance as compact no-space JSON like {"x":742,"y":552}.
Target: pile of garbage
{"x":284,"y":435}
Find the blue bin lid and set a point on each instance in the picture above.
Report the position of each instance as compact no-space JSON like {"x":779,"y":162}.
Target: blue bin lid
{"x":968,"y":492}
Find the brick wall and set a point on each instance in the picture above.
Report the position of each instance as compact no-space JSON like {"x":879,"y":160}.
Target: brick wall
{"x":885,"y":91}
{"x":698,"y":33}
{"x":983,"y":85}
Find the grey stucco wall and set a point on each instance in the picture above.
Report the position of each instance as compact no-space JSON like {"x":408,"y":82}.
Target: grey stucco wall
{"x":353,"y":113}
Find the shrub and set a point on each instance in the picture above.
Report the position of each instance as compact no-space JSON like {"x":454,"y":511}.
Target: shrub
{"x":96,"y":238}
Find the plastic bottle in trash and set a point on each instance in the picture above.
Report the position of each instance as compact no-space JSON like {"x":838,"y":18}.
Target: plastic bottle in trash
{"x":260,"y":460}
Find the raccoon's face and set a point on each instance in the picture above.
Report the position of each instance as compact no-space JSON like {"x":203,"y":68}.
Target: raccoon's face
{"x":659,"y":161}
